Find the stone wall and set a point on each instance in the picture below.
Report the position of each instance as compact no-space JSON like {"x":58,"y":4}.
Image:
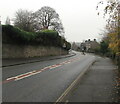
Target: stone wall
{"x":20,"y":51}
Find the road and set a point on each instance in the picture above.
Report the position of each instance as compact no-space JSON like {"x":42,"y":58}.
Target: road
{"x":43,"y":81}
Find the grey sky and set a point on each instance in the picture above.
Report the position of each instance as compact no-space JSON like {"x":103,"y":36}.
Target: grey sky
{"x":79,"y":17}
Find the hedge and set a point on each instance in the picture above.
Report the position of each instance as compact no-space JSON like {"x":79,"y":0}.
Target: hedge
{"x":14,"y":35}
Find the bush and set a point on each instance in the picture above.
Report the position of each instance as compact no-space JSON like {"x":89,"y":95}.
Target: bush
{"x":47,"y":38}
{"x":14,"y":35}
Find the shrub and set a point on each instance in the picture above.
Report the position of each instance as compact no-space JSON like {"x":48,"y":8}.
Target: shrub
{"x":14,"y":35}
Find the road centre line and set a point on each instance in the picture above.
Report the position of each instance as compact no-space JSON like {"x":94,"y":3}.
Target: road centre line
{"x":28,"y":74}
{"x":19,"y":75}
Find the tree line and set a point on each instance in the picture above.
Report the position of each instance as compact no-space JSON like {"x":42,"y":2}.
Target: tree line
{"x":110,"y":43}
{"x":44,"y":18}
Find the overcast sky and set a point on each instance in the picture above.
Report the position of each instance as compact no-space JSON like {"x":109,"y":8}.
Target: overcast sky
{"x":79,"y":17}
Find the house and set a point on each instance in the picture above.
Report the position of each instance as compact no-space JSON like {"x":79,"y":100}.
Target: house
{"x":90,"y":45}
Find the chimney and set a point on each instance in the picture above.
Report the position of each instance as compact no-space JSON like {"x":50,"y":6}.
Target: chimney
{"x":88,"y":39}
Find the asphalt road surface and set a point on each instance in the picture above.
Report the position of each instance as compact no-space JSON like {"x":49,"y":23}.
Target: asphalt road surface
{"x":42,"y":81}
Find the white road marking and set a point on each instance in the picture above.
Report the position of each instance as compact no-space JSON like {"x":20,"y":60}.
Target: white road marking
{"x":28,"y":74}
{"x":31,"y":74}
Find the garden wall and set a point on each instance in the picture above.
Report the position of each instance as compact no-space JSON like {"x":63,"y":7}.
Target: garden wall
{"x":25,"y":51}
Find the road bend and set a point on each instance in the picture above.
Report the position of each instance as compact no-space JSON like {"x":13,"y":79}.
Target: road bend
{"x":43,"y":81}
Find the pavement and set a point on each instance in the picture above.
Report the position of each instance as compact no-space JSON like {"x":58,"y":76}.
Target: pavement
{"x":18,"y":61}
{"x":96,"y":85}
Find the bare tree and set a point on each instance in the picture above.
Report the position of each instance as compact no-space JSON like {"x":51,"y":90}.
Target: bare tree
{"x":46,"y":18}
{"x":58,"y":26}
{"x":7,"y":22}
{"x":23,"y":19}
